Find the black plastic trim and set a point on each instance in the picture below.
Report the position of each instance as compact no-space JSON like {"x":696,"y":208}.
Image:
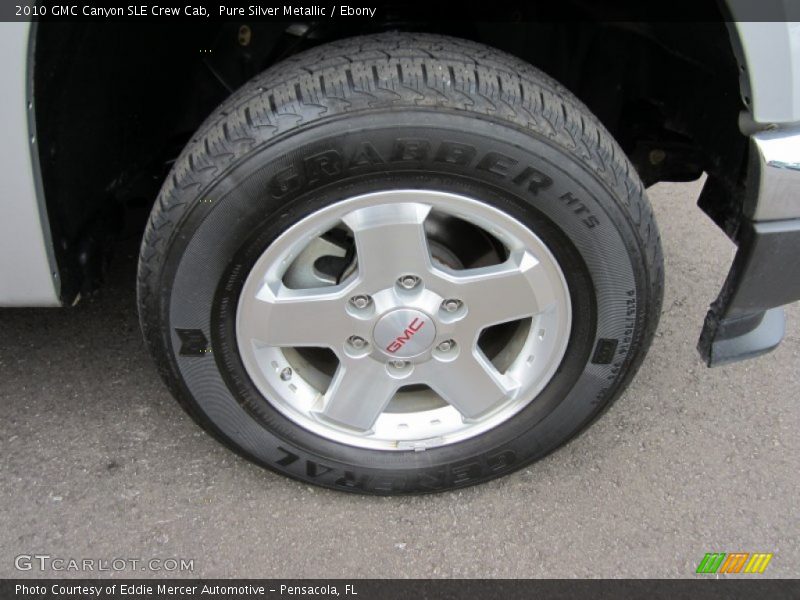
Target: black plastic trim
{"x":745,"y":320}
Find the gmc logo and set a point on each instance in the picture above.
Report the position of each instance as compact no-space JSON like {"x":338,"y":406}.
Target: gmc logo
{"x":409,"y":332}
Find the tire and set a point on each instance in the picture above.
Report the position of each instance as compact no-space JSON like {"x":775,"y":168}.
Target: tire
{"x":386,"y":114}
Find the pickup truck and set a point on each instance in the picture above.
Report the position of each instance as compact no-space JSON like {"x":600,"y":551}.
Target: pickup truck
{"x":391,"y":256}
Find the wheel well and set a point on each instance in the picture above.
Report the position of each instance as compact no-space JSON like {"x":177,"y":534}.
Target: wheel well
{"x":115,"y":105}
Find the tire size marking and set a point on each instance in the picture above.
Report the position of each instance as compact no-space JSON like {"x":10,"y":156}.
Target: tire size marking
{"x":630,"y":323}
{"x":622,"y":348}
{"x":327,"y":165}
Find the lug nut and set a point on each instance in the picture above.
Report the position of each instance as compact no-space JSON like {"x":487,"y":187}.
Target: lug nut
{"x":446,"y":346}
{"x":357,"y":342}
{"x":286,"y":374}
{"x":408,"y":282}
{"x":398,"y":364}
{"x":360,"y":302}
{"x":451,"y":305}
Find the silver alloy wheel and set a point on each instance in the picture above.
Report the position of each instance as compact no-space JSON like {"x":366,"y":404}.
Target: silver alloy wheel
{"x":404,"y":323}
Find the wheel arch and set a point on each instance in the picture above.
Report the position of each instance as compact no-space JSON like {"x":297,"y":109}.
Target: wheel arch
{"x":111,"y":121}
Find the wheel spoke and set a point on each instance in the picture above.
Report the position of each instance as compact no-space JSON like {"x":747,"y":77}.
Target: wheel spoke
{"x":471,"y":384}
{"x":390,"y":241}
{"x":515,"y":289}
{"x":358,"y":394}
{"x":286,"y":317}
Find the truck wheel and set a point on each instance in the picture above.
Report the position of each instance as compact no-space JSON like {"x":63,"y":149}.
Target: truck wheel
{"x":399,"y":263}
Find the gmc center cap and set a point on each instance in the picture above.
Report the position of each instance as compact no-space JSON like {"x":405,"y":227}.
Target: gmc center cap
{"x":404,"y":333}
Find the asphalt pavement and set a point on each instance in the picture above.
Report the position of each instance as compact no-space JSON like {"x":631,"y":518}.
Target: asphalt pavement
{"x":98,"y":462}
